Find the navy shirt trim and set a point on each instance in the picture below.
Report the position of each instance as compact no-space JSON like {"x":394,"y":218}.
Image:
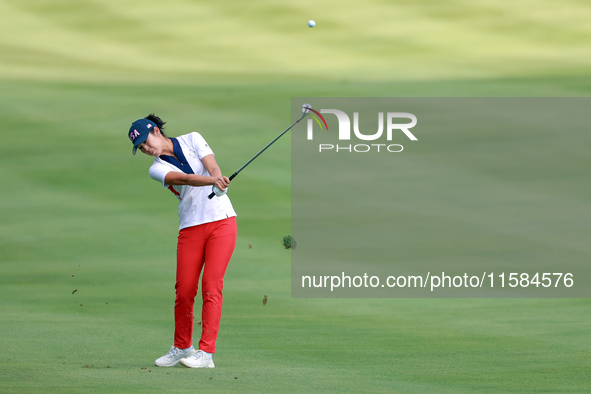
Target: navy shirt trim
{"x":182,"y":163}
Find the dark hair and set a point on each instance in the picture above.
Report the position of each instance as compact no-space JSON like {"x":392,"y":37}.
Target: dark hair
{"x":159,"y":122}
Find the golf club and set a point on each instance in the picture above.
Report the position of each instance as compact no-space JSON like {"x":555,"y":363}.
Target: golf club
{"x":306,"y":108}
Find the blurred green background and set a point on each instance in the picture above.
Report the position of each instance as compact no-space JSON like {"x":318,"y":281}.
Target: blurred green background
{"x":79,"y":212}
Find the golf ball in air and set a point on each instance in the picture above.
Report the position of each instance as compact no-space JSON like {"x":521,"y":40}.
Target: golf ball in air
{"x":311,"y":23}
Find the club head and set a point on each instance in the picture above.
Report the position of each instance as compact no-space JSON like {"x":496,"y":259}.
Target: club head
{"x":306,"y":108}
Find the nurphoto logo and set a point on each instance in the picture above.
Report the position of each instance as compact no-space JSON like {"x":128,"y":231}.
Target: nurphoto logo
{"x":344,"y":133}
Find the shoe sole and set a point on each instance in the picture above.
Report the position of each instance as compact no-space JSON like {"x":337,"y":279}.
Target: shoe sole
{"x":212,"y":365}
{"x":167,"y":365}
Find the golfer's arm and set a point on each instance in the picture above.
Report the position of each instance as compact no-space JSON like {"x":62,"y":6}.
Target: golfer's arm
{"x":180,"y":178}
{"x":211,"y":166}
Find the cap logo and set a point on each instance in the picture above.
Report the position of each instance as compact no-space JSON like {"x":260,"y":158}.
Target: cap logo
{"x":133,"y":135}
{"x":149,"y":126}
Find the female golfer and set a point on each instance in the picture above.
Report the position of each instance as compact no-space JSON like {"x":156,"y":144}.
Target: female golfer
{"x":207,"y":235}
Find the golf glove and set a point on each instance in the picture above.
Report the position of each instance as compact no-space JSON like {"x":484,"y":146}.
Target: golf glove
{"x":217,"y":191}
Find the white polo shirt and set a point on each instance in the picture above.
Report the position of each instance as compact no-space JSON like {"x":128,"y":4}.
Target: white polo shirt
{"x":194,"y":206}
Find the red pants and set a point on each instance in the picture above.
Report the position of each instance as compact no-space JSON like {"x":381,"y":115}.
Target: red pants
{"x":209,"y":247}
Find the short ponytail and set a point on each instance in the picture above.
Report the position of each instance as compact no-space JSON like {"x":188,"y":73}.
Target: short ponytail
{"x":159,"y":122}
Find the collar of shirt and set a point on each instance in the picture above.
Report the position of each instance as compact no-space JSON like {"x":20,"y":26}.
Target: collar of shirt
{"x":182,"y":163}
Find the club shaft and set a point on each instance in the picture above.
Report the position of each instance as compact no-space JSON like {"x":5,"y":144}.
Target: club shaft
{"x":268,"y":145}
{"x":262,"y":150}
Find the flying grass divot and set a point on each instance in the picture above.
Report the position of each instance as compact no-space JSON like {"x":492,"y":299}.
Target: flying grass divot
{"x":289,"y":242}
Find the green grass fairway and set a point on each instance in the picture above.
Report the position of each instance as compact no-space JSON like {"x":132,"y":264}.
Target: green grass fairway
{"x":88,"y":240}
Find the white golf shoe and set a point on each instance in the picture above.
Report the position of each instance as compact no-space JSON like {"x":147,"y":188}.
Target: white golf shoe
{"x":198,"y":360}
{"x":173,"y":357}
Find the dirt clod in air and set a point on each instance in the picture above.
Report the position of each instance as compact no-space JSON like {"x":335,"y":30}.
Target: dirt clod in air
{"x":75,"y":290}
{"x":289,"y":242}
{"x":265,"y":300}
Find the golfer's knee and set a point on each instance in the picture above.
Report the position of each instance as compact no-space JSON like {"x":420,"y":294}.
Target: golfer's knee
{"x":185,"y":293}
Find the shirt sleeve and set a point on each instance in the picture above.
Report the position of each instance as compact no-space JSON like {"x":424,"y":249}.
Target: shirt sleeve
{"x":201,"y":146}
{"x":158,"y":172}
